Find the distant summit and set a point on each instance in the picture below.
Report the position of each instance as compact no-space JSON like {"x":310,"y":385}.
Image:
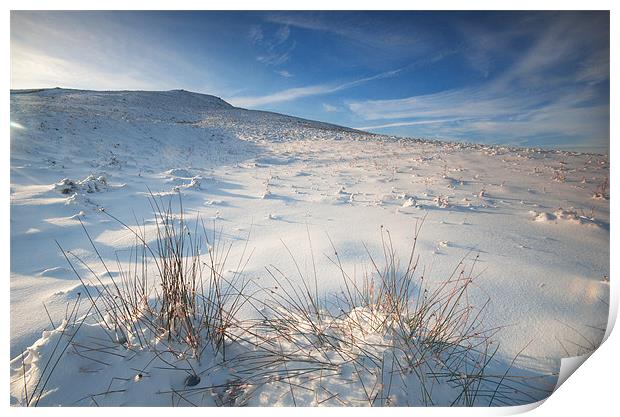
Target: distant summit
{"x":172,"y":98}
{"x":160,"y":105}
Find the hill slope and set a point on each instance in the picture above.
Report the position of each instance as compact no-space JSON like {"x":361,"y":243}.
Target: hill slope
{"x":537,"y":219}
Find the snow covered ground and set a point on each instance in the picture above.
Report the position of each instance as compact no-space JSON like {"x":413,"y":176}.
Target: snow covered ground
{"x":537,"y":220}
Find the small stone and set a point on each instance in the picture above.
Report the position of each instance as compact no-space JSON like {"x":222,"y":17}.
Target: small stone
{"x":192,"y":380}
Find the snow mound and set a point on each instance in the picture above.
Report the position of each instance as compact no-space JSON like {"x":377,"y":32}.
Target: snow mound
{"x":542,"y":216}
{"x":179,"y":172}
{"x":564,"y":215}
{"x":193,"y":184}
{"x":90,"y":184}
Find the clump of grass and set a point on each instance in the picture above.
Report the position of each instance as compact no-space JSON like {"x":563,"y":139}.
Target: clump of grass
{"x":559,"y":175}
{"x":171,"y":292}
{"x":390,"y":336}
{"x":185,"y":298}
{"x":602,"y":190}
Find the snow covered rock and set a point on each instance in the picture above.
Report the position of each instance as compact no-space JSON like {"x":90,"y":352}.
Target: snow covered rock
{"x":90,"y":184}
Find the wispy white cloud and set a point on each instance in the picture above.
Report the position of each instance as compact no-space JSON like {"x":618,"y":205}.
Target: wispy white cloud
{"x":282,"y":96}
{"x":483,"y":46}
{"x":275,"y":48}
{"x":282,"y":34}
{"x":256,"y":34}
{"x":276,"y":57}
{"x":409,"y":123}
{"x":595,"y":69}
{"x":531,"y":98}
{"x":284,"y":73}
{"x":483,"y":113}
{"x":307,"y":91}
{"x":330,"y":108}
{"x":357,"y":28}
{"x":466,"y":102}
{"x":471,"y":113}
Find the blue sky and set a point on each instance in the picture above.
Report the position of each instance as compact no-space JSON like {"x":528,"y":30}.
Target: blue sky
{"x":522,"y":78}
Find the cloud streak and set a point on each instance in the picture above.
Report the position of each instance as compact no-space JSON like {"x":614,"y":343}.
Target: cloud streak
{"x":296,"y":93}
{"x":356,"y":28}
{"x":528,"y":100}
{"x":329,"y":108}
{"x":276,"y":48}
{"x":410,"y":123}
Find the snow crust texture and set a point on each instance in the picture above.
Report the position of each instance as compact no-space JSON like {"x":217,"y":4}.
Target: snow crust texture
{"x":534,"y":224}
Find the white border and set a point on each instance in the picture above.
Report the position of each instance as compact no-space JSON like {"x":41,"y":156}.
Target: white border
{"x":593,"y":390}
